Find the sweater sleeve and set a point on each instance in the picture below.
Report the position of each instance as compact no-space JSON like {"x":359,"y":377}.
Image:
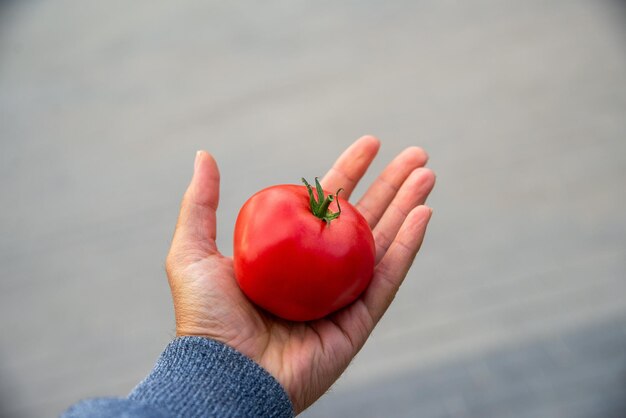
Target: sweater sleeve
{"x":197,"y":377}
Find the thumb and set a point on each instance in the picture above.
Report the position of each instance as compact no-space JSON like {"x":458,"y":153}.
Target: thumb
{"x":196,"y":226}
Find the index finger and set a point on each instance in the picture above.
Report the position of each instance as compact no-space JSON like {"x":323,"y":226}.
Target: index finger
{"x":351,"y":165}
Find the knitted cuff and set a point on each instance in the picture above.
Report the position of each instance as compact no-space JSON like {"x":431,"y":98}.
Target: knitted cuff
{"x":199,"y":377}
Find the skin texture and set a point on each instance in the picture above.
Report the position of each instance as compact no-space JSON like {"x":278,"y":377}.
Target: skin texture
{"x":294,"y":264}
{"x":305,"y":357}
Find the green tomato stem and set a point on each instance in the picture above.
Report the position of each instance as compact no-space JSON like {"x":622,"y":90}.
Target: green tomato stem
{"x":319,"y":206}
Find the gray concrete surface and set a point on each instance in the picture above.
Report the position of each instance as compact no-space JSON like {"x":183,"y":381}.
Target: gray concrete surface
{"x":516,"y":305}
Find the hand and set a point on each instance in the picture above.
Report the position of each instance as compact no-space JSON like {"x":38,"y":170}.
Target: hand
{"x":306,"y":358}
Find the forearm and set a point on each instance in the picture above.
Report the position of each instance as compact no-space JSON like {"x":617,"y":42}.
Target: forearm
{"x":197,"y":377}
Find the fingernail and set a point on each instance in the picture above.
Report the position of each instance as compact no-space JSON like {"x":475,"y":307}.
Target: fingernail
{"x":429,"y":209}
{"x":197,"y":160}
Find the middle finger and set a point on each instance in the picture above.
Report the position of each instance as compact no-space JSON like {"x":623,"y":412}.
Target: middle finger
{"x":380,"y":194}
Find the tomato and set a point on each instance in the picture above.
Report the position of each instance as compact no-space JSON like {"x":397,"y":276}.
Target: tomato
{"x":302,"y":258}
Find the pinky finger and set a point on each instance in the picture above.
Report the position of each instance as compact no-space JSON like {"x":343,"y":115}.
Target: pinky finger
{"x":394,"y":266}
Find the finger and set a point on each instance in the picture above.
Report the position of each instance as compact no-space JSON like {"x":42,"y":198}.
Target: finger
{"x":196,"y":226}
{"x":394,"y":266}
{"x":351,"y":165}
{"x":380,"y":194}
{"x":413,"y":192}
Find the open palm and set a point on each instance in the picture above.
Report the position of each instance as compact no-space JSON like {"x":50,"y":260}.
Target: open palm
{"x":305,"y":357}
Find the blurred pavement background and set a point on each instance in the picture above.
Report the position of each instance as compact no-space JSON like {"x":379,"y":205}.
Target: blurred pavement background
{"x":516,"y":306}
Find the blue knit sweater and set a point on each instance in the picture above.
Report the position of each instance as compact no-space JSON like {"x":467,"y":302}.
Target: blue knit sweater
{"x":196,"y":377}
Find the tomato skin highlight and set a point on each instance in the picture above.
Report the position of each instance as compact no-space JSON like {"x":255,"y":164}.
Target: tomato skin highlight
{"x":296,"y":265}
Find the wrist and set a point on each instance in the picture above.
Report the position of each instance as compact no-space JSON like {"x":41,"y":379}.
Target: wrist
{"x":199,"y":374}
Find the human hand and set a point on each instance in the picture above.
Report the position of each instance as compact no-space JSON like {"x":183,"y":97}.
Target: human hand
{"x":305,"y":357}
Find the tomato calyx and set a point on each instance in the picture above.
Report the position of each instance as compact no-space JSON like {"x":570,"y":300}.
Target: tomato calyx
{"x":319,"y":206}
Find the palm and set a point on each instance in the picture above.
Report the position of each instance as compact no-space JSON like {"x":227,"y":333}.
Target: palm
{"x":305,"y":357}
{"x":290,"y":351}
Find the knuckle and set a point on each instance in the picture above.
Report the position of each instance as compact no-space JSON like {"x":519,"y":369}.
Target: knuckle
{"x":171,"y":263}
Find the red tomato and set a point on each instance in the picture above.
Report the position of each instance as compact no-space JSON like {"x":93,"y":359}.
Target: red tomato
{"x":296,"y":257}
